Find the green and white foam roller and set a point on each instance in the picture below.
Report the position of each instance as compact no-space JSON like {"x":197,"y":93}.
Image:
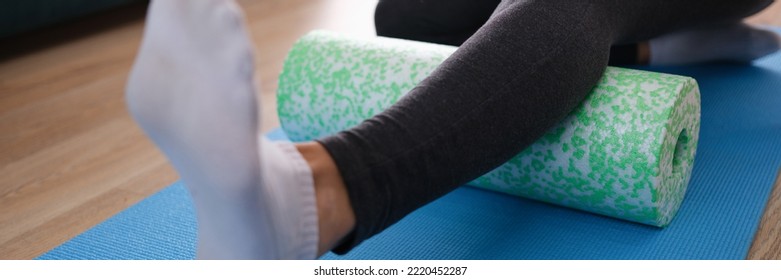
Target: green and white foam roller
{"x":626,"y":152}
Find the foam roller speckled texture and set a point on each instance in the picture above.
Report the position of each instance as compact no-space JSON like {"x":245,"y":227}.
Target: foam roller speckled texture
{"x":626,"y":152}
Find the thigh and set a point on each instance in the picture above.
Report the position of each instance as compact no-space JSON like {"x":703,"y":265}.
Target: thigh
{"x":437,"y":21}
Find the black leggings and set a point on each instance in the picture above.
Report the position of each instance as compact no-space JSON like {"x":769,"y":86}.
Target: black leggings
{"x":523,"y":65}
{"x":452,"y":22}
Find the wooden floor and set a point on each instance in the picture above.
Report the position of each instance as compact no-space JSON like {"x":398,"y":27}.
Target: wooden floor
{"x":70,"y":156}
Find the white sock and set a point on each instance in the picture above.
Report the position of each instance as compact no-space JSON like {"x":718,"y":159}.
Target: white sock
{"x":737,"y":42}
{"x":192,"y":91}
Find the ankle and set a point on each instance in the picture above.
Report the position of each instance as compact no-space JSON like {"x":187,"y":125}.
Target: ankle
{"x":336,"y":218}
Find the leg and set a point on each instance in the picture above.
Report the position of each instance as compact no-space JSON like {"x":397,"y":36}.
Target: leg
{"x":452,"y":22}
{"x":191,"y":90}
{"x":448,"y":22}
{"x":519,"y":74}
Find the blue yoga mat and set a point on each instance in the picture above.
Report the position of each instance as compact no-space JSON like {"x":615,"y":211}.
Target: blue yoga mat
{"x":737,"y":160}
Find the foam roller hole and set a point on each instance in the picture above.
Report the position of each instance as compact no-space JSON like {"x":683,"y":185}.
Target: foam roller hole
{"x":681,"y":149}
